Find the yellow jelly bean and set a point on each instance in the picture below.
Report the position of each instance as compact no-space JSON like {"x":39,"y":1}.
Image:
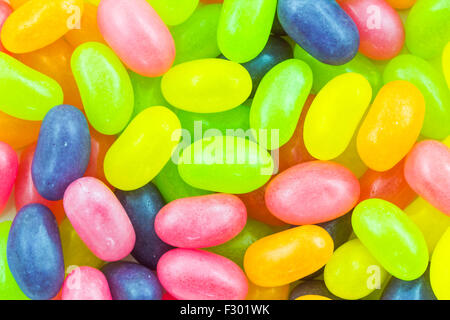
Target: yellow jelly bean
{"x":335,"y":114}
{"x":143,"y":149}
{"x":207,"y":85}
{"x":271,"y":293}
{"x":439,"y":268}
{"x":446,"y":63}
{"x":312,"y":297}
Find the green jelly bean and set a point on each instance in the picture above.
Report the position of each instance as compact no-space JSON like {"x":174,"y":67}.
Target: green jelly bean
{"x":428,"y":28}
{"x":279,"y":101}
{"x":24,"y":92}
{"x":391,"y":237}
{"x":433,"y":87}
{"x":9,"y":289}
{"x":236,"y":247}
{"x":229,"y":164}
{"x":105,"y":87}
{"x":174,"y":12}
{"x":244,"y":28}
{"x":196,"y":38}
{"x":323,"y":73}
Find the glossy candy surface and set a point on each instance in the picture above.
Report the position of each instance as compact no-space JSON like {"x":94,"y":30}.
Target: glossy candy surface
{"x":5,"y":11}
{"x":16,"y":132}
{"x":446,"y":63}
{"x":85,"y":283}
{"x":439,"y":272}
{"x":419,"y":289}
{"x":174,"y":12}
{"x":8,"y":172}
{"x":263,"y":293}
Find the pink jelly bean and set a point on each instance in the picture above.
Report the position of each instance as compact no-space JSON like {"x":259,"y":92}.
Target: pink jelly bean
{"x":189,"y":274}
{"x":137,"y":35}
{"x":8,"y":172}
{"x":5,"y":11}
{"x":99,"y":219}
{"x":427,"y":171}
{"x":380,"y":28}
{"x":86,"y":283}
{"x":200,"y":222}
{"x":312,"y":192}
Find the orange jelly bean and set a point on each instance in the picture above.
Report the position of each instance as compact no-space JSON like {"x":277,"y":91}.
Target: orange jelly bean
{"x":401,"y":4}
{"x":16,"y":132}
{"x":17,"y":3}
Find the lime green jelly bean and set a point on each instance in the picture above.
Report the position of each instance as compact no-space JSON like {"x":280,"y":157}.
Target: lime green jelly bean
{"x":196,"y":38}
{"x":335,"y":114}
{"x":9,"y":290}
{"x":228,"y":164}
{"x":352,"y":272}
{"x":24,"y":92}
{"x":244,"y":28}
{"x":105,"y":87}
{"x":207,"y":85}
{"x":428,"y":27}
{"x":147,"y":92}
{"x":279,"y":101}
{"x":322,"y":73}
{"x":391,"y":237}
{"x":174,"y":12}
{"x":142,"y":149}
{"x":439,"y":269}
{"x":432,"y":85}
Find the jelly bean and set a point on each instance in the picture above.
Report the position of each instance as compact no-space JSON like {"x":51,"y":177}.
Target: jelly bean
{"x":428,"y":28}
{"x":287,"y":256}
{"x":427,"y":171}
{"x":380,"y":27}
{"x":9,"y":290}
{"x":391,"y":237}
{"x":235,"y":248}
{"x":137,"y":35}
{"x":334,"y":116}
{"x":54,"y":61}
{"x":24,"y":92}
{"x":85,"y":283}
{"x":76,"y":253}
{"x":352,"y":272}
{"x":25,"y":191}
{"x":401,"y":4}
{"x":141,"y":206}
{"x":278,"y":102}
{"x":105,"y":89}
{"x":184,"y":273}
{"x":142,"y":149}
{"x":174,"y":12}
{"x":99,"y":219}
{"x":206,"y":85}
{"x":351,"y":159}
{"x":38,"y":23}
{"x":229,"y":164}
{"x":8,"y":172}
{"x":446,"y":63}
{"x":312,"y":297}
{"x":391,"y":126}
{"x":16,"y":132}
{"x":200,"y":222}
{"x":439,"y":272}
{"x":261,"y":293}
{"x":17,"y":3}
{"x":320,"y":27}
{"x":131,"y":281}
{"x":419,"y":289}
{"x":311,"y":287}
{"x":277,"y":29}
{"x":323,"y":73}
{"x":339,"y":229}
{"x":244,"y":28}
{"x":312,"y":192}
{"x":211,"y":1}
{"x":34,"y":239}
{"x":432,"y":85}
{"x":388,"y":185}
{"x":196,"y":38}
{"x":62,"y":151}
{"x":5,"y":11}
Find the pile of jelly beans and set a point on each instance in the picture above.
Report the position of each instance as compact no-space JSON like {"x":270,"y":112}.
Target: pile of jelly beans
{"x":235,"y":149}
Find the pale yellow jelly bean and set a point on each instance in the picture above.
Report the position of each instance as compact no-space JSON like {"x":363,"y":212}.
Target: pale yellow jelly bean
{"x":207,"y":85}
{"x":334,"y":115}
{"x":143,"y":149}
{"x":440,"y":268}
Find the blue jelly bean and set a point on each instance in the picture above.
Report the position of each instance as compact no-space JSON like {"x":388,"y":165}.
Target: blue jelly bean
{"x":419,"y":289}
{"x":62,"y":152}
{"x":142,"y":205}
{"x":320,"y":27}
{"x":34,"y":252}
{"x":131,"y":281}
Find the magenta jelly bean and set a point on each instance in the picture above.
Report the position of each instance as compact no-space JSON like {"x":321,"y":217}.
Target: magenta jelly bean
{"x":136,"y":33}
{"x":85,"y":283}
{"x":200,"y":222}
{"x":9,"y":164}
{"x":189,"y":274}
{"x":427,"y":171}
{"x":99,"y":219}
{"x":312,"y":192}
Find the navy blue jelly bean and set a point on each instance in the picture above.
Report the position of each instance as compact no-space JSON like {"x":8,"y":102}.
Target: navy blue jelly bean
{"x":142,"y":205}
{"x":131,"y":281}
{"x":419,"y":289}
{"x":34,"y":252}
{"x":320,"y":27}
{"x":62,"y":152}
